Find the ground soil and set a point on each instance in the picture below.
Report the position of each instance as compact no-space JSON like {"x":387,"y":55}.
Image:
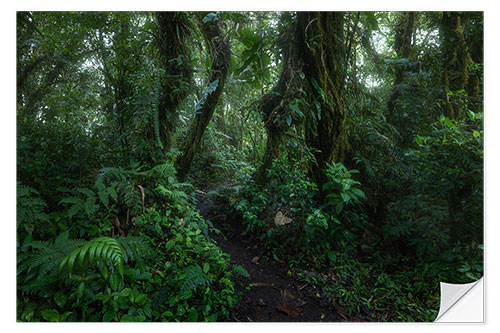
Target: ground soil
{"x":271,"y":294}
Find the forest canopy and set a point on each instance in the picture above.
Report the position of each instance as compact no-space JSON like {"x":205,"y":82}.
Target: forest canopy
{"x":247,"y":166}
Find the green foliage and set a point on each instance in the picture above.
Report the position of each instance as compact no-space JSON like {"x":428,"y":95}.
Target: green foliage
{"x":96,"y":153}
{"x":186,"y":263}
{"x":240,"y":270}
{"x":189,"y":266}
{"x":318,"y":230}
{"x":30,"y":211}
{"x":406,"y":293}
{"x":194,"y":279}
{"x":38,"y":261}
{"x":341,"y":188}
{"x":100,"y":250}
{"x":444,"y":203}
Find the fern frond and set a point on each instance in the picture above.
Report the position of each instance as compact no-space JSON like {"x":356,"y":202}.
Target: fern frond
{"x":29,"y":206}
{"x":240,"y":270}
{"x":164,"y":172}
{"x":23,"y":190}
{"x":194,"y":278}
{"x":90,"y":206}
{"x":86,"y":191}
{"x":105,"y":250}
{"x":110,"y":174}
{"x":134,"y":248}
{"x":36,"y":285}
{"x":77,"y":204}
{"x":43,"y":261}
{"x":173,"y":195}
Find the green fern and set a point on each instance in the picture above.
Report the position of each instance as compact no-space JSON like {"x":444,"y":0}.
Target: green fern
{"x":107,"y":175}
{"x":194,"y":277}
{"x":39,"y":266}
{"x":175,"y":196}
{"x":49,"y":254}
{"x":29,"y":206}
{"x":164,"y":172}
{"x":36,"y":284}
{"x":240,"y":270}
{"x":76,"y":204}
{"x":105,"y":250}
{"x":135,"y":248}
{"x":119,"y":185}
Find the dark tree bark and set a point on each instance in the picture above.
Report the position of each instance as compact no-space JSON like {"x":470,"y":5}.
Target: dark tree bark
{"x":402,"y":45}
{"x":174,"y":30}
{"x":49,"y":80}
{"x":321,"y":41}
{"x":218,"y":48}
{"x":274,"y":105}
{"x":313,"y":70}
{"x":124,"y":66}
{"x":455,"y":60}
{"x":474,"y":92}
{"x":27,"y":70}
{"x":474,"y":41}
{"x":54,"y":76}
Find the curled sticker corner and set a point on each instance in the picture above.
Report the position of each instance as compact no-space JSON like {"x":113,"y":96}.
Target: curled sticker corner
{"x":461,"y":303}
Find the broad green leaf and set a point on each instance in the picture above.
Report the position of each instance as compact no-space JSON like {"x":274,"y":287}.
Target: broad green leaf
{"x":51,"y":315}
{"x":108,"y":315}
{"x":60,"y":299}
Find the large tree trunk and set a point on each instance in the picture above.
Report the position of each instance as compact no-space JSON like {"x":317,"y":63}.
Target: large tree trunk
{"x":321,"y":41}
{"x":474,"y":41}
{"x":313,"y":70}
{"x":124,"y":66}
{"x":175,"y":56}
{"x":456,"y":59}
{"x":402,"y":46}
{"x":274,"y":106}
{"x":219,"y":51}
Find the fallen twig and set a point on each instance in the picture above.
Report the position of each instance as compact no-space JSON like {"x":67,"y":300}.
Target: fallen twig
{"x":303,"y":287}
{"x":259,"y":284}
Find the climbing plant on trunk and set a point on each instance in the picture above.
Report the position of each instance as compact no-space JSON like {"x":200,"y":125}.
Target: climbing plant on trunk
{"x":274,"y":106}
{"x":219,"y":52}
{"x":455,"y":61}
{"x":310,"y":87}
{"x":474,"y":42}
{"x":321,"y":41}
{"x":173,"y":33}
{"x":402,"y":45}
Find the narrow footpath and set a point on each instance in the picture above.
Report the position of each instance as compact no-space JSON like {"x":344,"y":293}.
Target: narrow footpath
{"x":273,"y":295}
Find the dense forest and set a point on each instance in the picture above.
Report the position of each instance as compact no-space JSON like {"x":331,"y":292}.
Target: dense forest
{"x":247,"y":166}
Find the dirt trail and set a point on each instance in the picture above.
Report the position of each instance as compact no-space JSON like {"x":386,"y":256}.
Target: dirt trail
{"x":274,"y":296}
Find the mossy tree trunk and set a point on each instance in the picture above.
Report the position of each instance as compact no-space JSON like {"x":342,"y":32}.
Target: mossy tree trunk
{"x":173,"y":33}
{"x":455,"y":61}
{"x":125,"y":65}
{"x":313,"y":70}
{"x":274,"y":106}
{"x":474,"y":41}
{"x":218,"y":48}
{"x":321,"y":42}
{"x":402,"y":45}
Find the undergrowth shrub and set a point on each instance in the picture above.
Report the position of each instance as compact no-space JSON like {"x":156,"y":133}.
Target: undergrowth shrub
{"x":163,"y":267}
{"x":316,"y":229}
{"x":442,"y":212}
